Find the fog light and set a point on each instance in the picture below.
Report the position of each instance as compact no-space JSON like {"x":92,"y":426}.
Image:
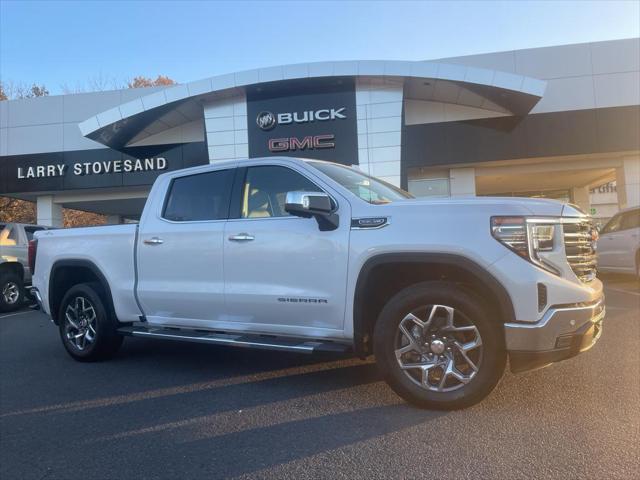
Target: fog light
{"x":564,"y":341}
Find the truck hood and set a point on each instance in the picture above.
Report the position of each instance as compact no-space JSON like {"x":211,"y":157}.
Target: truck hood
{"x":498,"y":205}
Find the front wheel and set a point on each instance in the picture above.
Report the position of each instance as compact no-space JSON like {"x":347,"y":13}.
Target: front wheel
{"x":87,"y":330}
{"x":437,"y":346}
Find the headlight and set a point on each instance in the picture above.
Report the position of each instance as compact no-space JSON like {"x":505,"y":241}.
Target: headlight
{"x":526,"y":236}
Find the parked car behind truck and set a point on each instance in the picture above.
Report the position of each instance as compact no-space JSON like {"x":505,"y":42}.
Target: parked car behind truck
{"x":619,"y":243}
{"x":15,"y":274}
{"x":306,"y":256}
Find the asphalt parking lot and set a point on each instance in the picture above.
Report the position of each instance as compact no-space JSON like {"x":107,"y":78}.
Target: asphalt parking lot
{"x":169,"y":410}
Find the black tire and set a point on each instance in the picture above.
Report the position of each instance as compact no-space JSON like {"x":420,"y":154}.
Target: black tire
{"x":11,"y":292}
{"x":103,"y":329}
{"x":468,"y":307}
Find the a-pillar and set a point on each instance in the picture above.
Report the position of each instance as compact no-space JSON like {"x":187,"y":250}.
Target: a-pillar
{"x":462,"y":182}
{"x":48,"y":212}
{"x":628,"y":182}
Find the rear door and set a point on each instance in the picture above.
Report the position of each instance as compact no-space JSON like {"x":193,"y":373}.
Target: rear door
{"x":179,"y":249}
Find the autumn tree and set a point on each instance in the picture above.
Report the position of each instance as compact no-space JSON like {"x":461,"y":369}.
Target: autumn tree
{"x":142,"y":81}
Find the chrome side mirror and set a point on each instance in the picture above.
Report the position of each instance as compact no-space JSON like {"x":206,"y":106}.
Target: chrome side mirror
{"x":312,"y":204}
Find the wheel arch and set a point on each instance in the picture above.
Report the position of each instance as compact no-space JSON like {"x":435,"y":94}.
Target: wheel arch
{"x":412,"y":268}
{"x":70,"y":272}
{"x":13,"y":267}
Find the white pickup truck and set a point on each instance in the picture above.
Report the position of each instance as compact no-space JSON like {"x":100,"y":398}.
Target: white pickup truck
{"x":307,"y":256}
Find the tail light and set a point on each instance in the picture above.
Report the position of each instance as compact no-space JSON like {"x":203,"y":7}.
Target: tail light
{"x":33,"y":249}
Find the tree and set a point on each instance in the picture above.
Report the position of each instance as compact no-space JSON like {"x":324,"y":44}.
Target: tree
{"x":21,"y":211}
{"x":12,"y":90}
{"x":142,"y":81}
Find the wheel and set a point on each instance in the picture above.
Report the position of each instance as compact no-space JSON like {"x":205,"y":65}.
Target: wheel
{"x":437,"y":347}
{"x":11,"y":292}
{"x":88,"y":331}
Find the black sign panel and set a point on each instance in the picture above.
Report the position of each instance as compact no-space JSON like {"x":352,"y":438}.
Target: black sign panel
{"x":96,"y":168}
{"x":313,"y":118}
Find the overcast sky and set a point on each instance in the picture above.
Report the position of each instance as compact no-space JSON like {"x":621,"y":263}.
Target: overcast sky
{"x":58,"y":43}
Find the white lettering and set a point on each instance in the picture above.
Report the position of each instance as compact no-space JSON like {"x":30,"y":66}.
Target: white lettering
{"x":162,"y":163}
{"x":20,"y":173}
{"x":61,"y":168}
{"x":77,"y":169}
{"x":284,"y":118}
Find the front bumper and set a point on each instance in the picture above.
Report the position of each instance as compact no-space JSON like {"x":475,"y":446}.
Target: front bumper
{"x":563,"y":332}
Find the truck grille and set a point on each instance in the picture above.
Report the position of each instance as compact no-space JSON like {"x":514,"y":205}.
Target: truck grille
{"x":579,"y":247}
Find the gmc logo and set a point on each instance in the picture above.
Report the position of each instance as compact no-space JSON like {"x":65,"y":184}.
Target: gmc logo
{"x":310,"y":142}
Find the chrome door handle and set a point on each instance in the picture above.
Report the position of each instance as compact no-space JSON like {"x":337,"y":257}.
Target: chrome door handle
{"x":241,"y":237}
{"x":153,"y":241}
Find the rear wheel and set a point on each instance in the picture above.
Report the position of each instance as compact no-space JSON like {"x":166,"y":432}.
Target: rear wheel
{"x":437,"y":346}
{"x":88,"y":331}
{"x":11,"y":292}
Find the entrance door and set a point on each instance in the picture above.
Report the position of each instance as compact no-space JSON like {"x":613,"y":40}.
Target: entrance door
{"x":180,"y":251}
{"x":281,"y":271}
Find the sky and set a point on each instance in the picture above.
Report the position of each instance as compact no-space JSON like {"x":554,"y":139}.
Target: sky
{"x":77,"y":44}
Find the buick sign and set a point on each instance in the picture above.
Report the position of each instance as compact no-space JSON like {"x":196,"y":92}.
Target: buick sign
{"x":267,"y":120}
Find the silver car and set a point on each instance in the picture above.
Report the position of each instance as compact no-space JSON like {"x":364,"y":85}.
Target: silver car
{"x":619,"y":243}
{"x":14,"y":267}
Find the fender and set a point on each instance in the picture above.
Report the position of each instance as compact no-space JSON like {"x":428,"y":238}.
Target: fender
{"x":505,"y":304}
{"x":76,"y":264}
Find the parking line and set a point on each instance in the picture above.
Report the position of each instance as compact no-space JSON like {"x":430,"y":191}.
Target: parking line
{"x":622,"y":291}
{"x":14,"y":314}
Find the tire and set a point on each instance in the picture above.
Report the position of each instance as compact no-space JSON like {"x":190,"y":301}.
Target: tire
{"x":427,"y":379}
{"x":87,"y":330}
{"x":11,"y":292}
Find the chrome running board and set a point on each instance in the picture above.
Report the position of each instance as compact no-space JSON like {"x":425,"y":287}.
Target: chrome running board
{"x":265,"y":342}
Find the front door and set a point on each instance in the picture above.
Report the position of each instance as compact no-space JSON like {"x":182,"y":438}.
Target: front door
{"x":180,"y":245}
{"x":281,"y":271}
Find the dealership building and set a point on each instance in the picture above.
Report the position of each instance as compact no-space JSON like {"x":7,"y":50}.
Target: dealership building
{"x":555,"y":122}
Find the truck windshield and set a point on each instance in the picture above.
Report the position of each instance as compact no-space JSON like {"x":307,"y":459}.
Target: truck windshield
{"x":367,"y":188}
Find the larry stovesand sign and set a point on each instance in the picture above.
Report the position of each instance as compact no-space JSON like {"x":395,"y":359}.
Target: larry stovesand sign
{"x":94,"y":168}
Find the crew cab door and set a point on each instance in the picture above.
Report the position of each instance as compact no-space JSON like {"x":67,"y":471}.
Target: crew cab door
{"x":179,"y":250}
{"x":282,"y":273}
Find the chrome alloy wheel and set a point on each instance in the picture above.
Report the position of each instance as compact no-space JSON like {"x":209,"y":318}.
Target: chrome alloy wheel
{"x":11,"y":293}
{"x":80,"y":323}
{"x":438,"y":348}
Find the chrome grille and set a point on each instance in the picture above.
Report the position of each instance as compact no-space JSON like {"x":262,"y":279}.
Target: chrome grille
{"x":579,"y":247}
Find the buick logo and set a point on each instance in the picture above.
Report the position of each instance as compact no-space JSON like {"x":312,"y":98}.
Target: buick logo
{"x":266,"y":120}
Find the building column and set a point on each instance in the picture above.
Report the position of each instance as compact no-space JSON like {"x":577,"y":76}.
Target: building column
{"x":114,"y":219}
{"x":628,"y":182}
{"x":48,"y":212}
{"x":379,"y":124}
{"x":582,"y":198}
{"x":226,"y":128}
{"x":462,"y":182}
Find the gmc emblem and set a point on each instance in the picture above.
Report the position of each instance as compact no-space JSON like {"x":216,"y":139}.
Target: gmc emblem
{"x":310,"y":142}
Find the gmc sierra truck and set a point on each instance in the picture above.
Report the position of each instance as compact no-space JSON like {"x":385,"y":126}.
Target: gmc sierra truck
{"x":308,"y":256}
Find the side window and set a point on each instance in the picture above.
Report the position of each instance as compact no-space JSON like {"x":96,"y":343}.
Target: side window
{"x":204,"y":196}
{"x":630,"y":220}
{"x":30,"y":231}
{"x":613,"y":225}
{"x":265,"y":190}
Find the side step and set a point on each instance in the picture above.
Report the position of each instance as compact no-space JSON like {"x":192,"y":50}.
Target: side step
{"x":265,"y":342}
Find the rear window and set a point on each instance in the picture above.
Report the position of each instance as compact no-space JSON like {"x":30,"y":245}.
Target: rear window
{"x":204,"y":196}
{"x":31,"y":230}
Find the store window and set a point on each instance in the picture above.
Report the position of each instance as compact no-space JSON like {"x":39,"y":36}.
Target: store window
{"x":429,"y":187}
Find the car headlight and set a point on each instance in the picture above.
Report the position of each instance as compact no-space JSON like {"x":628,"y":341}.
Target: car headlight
{"x":528,"y":237}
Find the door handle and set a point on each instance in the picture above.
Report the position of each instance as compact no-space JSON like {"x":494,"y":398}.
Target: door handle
{"x":153,"y":241}
{"x":241,"y":237}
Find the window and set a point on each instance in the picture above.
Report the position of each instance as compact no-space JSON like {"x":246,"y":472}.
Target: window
{"x":630,"y":220}
{"x":613,"y":225}
{"x":367,"y":188}
{"x":429,"y":187}
{"x":204,"y":196}
{"x":265,"y":190}
{"x":31,"y":230}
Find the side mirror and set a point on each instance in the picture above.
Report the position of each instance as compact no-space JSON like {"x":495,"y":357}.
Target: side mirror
{"x":312,"y":204}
